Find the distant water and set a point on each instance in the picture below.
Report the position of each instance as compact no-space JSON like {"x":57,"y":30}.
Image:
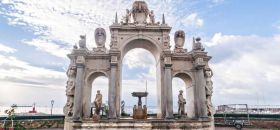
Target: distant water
{"x":45,"y":110}
{"x":58,"y":110}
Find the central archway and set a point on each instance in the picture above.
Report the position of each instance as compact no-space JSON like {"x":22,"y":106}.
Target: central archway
{"x":153,"y":47}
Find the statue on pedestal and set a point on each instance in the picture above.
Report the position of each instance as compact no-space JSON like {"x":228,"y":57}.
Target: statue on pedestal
{"x":152,"y":17}
{"x":197,"y":46}
{"x":70,"y":90}
{"x":181,"y":103}
{"x":82,"y":41}
{"x":209,"y":90}
{"x":98,"y":102}
{"x":126,"y":18}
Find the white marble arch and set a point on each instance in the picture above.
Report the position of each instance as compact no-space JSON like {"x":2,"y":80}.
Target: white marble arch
{"x":189,"y":92}
{"x":89,"y":63}
{"x":151,"y":45}
{"x":87,"y":90}
{"x":155,"y":38}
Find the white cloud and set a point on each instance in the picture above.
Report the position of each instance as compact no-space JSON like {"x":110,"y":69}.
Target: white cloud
{"x":49,"y":47}
{"x":218,"y":1}
{"x":193,"y":20}
{"x":219,"y":38}
{"x":63,"y":21}
{"x":57,"y":26}
{"x":36,"y":84}
{"x":276,"y":25}
{"x":244,"y":66}
{"x":248,"y":69}
{"x":139,"y":58}
{"x":6,"y":49}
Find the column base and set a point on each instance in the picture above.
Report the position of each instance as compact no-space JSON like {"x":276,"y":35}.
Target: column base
{"x":204,"y":118}
{"x":169,"y":117}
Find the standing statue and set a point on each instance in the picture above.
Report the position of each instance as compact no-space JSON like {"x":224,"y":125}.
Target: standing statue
{"x":127,"y":16}
{"x":145,"y":112}
{"x":82,"y":41}
{"x":100,"y":37}
{"x":98,"y":102}
{"x":70,"y":90}
{"x":152,"y":17}
{"x":197,"y":46}
{"x":181,"y":103}
{"x":209,"y":90}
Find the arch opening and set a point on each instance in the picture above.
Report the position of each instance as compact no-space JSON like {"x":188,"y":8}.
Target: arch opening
{"x":148,"y":54}
{"x":182,"y":81}
{"x":95,"y":81}
{"x":100,"y":83}
{"x":148,"y":45}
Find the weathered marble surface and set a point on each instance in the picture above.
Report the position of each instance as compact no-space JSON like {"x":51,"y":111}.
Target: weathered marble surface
{"x":137,"y":31}
{"x":136,"y":125}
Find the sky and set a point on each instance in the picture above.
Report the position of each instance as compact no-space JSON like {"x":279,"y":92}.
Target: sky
{"x":243,"y":37}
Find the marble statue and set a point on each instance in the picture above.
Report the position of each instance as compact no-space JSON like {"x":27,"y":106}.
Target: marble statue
{"x":179,"y":39}
{"x":75,"y":47}
{"x":209,"y":90}
{"x":70,"y":89}
{"x":152,"y":17}
{"x":98,"y":102}
{"x":197,"y":46}
{"x":181,"y":103}
{"x":126,"y":18}
{"x":100,"y":37}
{"x":82,"y":41}
{"x":145,"y":112}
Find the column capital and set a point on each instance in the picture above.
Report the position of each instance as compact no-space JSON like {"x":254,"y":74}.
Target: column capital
{"x":168,"y":66}
{"x":199,"y":63}
{"x":80,"y":61}
{"x":167,"y":62}
{"x":114,"y":60}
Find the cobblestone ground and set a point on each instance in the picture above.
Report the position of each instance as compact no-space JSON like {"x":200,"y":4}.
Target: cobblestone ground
{"x":217,"y":128}
{"x":232,"y":128}
{"x":50,"y":129}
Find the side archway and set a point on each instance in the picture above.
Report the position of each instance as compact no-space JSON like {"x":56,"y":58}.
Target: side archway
{"x":87,"y":90}
{"x":189,"y":92}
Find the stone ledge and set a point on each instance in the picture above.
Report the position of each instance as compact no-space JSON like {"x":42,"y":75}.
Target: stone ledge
{"x":140,"y":124}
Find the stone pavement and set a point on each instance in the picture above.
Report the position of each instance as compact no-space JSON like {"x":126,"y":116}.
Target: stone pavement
{"x":232,"y":128}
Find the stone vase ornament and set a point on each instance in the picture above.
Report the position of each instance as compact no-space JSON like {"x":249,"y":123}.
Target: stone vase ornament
{"x":100,"y":37}
{"x":140,"y":12}
{"x":179,"y":39}
{"x":82,"y":41}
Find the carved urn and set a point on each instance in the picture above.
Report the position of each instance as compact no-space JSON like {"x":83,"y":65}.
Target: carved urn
{"x":100,"y":37}
{"x":179,"y":39}
{"x":140,"y":11}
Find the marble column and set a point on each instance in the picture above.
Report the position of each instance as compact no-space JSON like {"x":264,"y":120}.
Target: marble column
{"x":168,"y":92}
{"x":201,"y":94}
{"x":112,"y":92}
{"x":160,"y":90}
{"x":77,"y":114}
